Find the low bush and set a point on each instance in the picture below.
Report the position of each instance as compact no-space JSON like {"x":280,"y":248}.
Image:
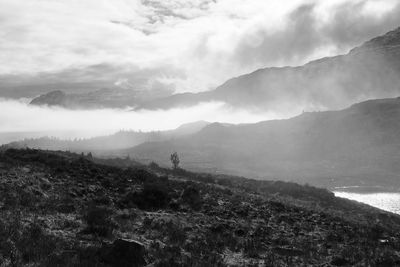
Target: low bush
{"x":155,"y":195}
{"x":98,"y":220}
{"x":25,"y":244}
{"x":191,"y":196}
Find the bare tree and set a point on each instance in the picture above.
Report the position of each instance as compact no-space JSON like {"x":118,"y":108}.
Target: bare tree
{"x":175,"y":160}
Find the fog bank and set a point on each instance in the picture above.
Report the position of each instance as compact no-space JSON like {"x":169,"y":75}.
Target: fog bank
{"x":19,"y":120}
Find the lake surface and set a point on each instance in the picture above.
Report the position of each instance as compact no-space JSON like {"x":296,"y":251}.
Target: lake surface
{"x":385,"y":201}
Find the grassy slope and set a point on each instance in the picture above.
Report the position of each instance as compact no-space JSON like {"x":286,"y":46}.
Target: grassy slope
{"x":59,"y":208}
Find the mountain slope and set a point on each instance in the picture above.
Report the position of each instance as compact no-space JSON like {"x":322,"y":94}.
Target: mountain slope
{"x":369,"y":71}
{"x":104,"y":144}
{"x":95,"y":86}
{"x":63,"y":209}
{"x":356,"y":145}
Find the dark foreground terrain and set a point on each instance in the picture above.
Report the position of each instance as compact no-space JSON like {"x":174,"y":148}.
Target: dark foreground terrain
{"x":64,"y":209}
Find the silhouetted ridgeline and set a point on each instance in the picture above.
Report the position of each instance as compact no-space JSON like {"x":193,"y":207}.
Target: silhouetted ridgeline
{"x":354,"y":146}
{"x":368,"y":71}
{"x":63,"y":209}
{"x":105,"y":144}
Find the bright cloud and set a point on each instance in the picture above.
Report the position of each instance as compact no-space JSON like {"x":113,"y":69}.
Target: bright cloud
{"x":17,"y":116}
{"x":210,"y":40}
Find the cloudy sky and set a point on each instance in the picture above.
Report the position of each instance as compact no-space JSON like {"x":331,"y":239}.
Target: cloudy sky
{"x":205,"y":42}
{"x":182,"y":45}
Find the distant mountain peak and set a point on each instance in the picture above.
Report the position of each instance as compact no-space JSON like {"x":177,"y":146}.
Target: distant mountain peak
{"x":53,"y":98}
{"x":388,"y":40}
{"x":368,"y":71}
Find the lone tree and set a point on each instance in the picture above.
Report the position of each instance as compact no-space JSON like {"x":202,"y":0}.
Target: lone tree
{"x":175,"y":160}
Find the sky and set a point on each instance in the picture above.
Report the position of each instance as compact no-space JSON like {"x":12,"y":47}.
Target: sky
{"x":181,"y":45}
{"x":205,"y":42}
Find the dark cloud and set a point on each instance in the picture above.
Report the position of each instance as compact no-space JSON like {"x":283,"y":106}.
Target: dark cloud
{"x":305,"y":33}
{"x":298,"y":38}
{"x":349,"y":27}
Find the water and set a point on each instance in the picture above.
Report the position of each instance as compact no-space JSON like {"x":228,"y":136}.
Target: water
{"x":385,"y":201}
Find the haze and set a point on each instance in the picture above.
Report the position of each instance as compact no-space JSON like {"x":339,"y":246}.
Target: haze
{"x":18,"y":117}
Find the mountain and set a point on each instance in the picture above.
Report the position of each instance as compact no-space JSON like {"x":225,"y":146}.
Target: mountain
{"x":368,"y":71}
{"x":87,"y":87}
{"x":102,"y":98}
{"x":105,"y":144}
{"x":65,"y":209}
{"x":371,"y":70}
{"x":355,"y":146}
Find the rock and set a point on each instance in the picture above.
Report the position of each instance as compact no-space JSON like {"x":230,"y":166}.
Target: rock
{"x":124,"y":253}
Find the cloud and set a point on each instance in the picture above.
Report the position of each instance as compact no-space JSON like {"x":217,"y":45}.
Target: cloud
{"x":209,"y":41}
{"x":315,"y":30}
{"x":348,"y":28}
{"x":296,"y":40}
{"x":17,"y":116}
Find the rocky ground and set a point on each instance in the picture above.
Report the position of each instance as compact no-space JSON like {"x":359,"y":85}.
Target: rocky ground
{"x":64,"y":209}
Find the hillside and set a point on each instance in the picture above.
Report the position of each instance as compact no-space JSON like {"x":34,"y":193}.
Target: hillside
{"x":63,"y":209}
{"x":96,"y":99}
{"x":354,"y":146}
{"x":368,"y":71}
{"x":104,"y":145}
{"x":102,"y":98}
{"x":86,"y":87}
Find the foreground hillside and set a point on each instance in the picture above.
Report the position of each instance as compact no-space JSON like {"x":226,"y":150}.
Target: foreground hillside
{"x":354,"y":146}
{"x":64,"y":209}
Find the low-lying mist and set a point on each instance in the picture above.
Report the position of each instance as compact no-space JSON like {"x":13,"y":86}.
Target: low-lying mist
{"x":20,"y":120}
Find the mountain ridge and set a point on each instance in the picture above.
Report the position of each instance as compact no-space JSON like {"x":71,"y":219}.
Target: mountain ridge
{"x":367,"y":71}
{"x":100,"y":144}
{"x":346,"y":147}
{"x":328,"y":148}
{"x":354,"y":76}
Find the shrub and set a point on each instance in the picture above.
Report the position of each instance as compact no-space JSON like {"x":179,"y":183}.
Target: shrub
{"x":98,"y":220}
{"x":175,"y":232}
{"x":154,"y":166}
{"x":155,"y":195}
{"x":175,"y":160}
{"x":191,"y":196}
{"x":35,"y":244}
{"x":25,"y":244}
{"x":143,"y":175}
